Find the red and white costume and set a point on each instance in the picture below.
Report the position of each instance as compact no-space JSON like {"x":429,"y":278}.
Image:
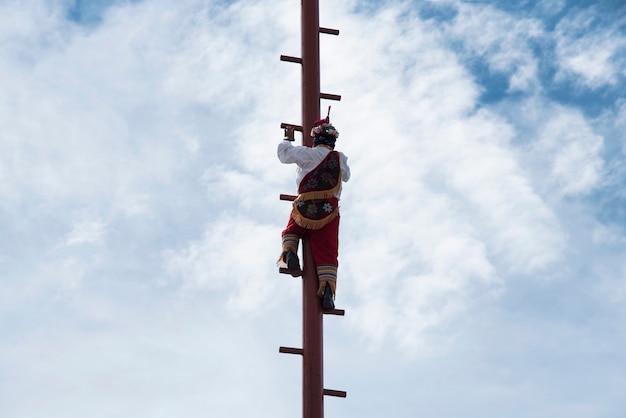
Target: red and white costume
{"x":320,"y":174}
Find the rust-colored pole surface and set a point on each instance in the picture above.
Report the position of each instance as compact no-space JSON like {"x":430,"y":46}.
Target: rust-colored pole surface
{"x":310,"y":68}
{"x":313,"y":341}
{"x":312,"y":324}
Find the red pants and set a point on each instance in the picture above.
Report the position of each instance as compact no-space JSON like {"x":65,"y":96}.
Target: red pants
{"x":324,"y":242}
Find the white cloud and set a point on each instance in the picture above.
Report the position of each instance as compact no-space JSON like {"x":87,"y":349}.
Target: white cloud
{"x":572,"y":152}
{"x":551,"y":7}
{"x":607,"y":234}
{"x":87,"y":231}
{"x":503,"y":41}
{"x":589,"y":54}
{"x":234,"y":258}
{"x":155,"y":361}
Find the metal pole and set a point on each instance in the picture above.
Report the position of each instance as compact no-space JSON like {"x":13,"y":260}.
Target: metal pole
{"x":313,"y":342}
{"x":310,"y":68}
{"x":312,"y":324}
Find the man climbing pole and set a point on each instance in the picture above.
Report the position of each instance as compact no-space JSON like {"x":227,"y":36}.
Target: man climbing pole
{"x":315,"y":212}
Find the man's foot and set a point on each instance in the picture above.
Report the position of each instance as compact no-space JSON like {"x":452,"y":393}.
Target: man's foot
{"x":291,"y":258}
{"x":328,"y":302}
{"x":288,"y":263}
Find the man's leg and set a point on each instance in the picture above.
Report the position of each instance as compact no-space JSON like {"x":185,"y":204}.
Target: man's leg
{"x":291,"y":239}
{"x":325,"y":246}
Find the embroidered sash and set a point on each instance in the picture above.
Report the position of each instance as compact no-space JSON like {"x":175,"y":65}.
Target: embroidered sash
{"x":316,"y":204}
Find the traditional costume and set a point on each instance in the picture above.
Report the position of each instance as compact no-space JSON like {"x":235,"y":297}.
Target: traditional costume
{"x":321,"y":171}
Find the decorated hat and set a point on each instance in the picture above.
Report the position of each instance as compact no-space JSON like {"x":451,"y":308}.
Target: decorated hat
{"x":323,"y":127}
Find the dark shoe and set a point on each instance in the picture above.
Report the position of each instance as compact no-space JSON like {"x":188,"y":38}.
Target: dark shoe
{"x":291,"y":258}
{"x":327,"y":298}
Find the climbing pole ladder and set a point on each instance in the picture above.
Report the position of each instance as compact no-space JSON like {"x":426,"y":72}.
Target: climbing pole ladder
{"x":312,"y":350}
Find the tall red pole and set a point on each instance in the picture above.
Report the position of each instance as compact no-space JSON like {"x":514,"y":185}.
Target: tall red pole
{"x":312,"y":323}
{"x":312,"y":314}
{"x":312,"y":340}
{"x":310,"y":67}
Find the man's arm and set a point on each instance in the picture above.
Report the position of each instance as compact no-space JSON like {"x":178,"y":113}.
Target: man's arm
{"x":345,"y":168}
{"x":288,"y":154}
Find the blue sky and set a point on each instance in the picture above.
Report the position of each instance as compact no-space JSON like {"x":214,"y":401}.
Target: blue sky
{"x":482,"y":259}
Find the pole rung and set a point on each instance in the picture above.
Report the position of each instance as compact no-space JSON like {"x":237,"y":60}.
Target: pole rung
{"x":339,"y":312}
{"x":293,"y":272}
{"x":337,"y":393}
{"x":288,"y":197}
{"x":291,"y":350}
{"x":329,"y":31}
{"x":290,"y":126}
{"x":289,"y":58}
{"x":330,"y":96}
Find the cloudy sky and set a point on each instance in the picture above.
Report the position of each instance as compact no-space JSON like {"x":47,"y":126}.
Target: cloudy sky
{"x":483,"y":239}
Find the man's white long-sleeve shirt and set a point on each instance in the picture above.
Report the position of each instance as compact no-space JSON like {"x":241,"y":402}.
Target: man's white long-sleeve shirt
{"x":308,"y":158}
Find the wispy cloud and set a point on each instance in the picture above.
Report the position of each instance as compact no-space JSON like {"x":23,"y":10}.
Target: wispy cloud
{"x":590,"y":49}
{"x":502,"y":41}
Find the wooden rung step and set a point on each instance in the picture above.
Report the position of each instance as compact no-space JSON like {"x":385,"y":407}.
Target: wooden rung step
{"x":339,"y":312}
{"x":293,"y":272}
{"x":290,"y":350}
{"x":291,"y":126}
{"x":330,"y":96}
{"x":337,"y":393}
{"x":289,"y":58}
{"x":329,"y":31}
